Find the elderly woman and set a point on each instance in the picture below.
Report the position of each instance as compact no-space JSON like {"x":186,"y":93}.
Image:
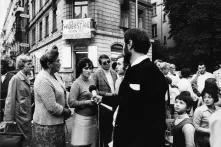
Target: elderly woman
{"x":84,"y":130}
{"x":18,"y":100}
{"x":50,"y":97}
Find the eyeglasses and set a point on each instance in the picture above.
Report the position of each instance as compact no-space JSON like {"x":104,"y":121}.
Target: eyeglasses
{"x":86,"y":68}
{"x":106,"y":62}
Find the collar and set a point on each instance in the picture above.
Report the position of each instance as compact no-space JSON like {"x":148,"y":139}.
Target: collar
{"x":57,"y":76}
{"x":205,"y":108}
{"x":23,"y":77}
{"x":138,"y":60}
{"x":106,"y":71}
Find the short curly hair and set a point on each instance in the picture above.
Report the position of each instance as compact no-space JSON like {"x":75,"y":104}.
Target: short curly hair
{"x":21,"y":60}
{"x":186,"y":97}
{"x":83,"y":63}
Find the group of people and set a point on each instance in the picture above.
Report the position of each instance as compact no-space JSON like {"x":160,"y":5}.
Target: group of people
{"x":137,"y":92}
{"x":131,"y":90}
{"x":191,"y":102}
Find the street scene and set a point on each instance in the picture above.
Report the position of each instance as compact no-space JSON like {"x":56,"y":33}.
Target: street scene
{"x":110,"y":73}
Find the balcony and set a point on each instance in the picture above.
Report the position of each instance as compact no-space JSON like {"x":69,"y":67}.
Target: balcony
{"x":78,"y":28}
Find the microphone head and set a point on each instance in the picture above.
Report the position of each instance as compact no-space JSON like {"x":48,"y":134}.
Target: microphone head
{"x":92,"y":87}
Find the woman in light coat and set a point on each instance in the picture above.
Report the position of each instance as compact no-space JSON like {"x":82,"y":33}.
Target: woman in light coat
{"x":50,"y":96}
{"x":18,"y":100}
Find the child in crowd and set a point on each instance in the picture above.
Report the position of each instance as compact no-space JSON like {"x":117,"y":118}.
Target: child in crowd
{"x":183,"y":129}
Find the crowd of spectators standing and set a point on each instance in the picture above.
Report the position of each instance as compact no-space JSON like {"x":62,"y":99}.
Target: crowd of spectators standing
{"x":203,"y":88}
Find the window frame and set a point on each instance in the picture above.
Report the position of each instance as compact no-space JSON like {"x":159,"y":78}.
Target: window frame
{"x":33,"y":32}
{"x":33,"y":5}
{"x":40,"y":30}
{"x":47,"y":26}
{"x":79,"y":5}
{"x":154,"y":9}
{"x":54,"y":18}
{"x":154,"y":30}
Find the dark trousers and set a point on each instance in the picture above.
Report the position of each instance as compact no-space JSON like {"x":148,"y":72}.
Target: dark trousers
{"x":106,"y":129}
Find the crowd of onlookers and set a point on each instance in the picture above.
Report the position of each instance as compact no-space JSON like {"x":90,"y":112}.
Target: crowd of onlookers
{"x":40,"y":107}
{"x":191,"y":100}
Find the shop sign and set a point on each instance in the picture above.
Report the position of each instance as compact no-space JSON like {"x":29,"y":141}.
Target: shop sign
{"x":76,"y":28}
{"x":24,"y":44}
{"x":24,"y":15}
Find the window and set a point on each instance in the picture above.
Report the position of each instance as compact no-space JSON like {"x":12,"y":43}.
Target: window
{"x":46,"y":26}
{"x":141,"y":17}
{"x":164,"y":17}
{"x":80,"y":9}
{"x":33,"y":36}
{"x":33,"y":7}
{"x":165,"y":40}
{"x":154,"y":9}
{"x":54,"y":19}
{"x":40,"y":4}
{"x":154,"y":30}
{"x":40,"y":31}
{"x":124,"y":19}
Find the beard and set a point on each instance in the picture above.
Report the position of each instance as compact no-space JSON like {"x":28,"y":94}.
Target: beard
{"x":127,"y":56}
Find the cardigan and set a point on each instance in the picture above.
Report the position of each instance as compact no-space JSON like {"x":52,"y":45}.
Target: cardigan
{"x":49,"y":99}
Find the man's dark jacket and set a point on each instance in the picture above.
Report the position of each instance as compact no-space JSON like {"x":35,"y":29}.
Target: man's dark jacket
{"x":4,"y":91}
{"x":141,"y":117}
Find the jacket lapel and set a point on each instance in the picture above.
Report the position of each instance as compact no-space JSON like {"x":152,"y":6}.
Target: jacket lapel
{"x":105,"y":78}
{"x":23,"y":78}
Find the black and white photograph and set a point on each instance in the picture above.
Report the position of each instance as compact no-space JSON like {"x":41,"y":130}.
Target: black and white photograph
{"x":110,"y":73}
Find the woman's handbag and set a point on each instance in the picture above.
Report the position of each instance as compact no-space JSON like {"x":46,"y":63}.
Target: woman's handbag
{"x":10,"y":135}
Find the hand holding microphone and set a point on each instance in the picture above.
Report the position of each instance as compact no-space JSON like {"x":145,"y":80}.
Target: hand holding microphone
{"x":97,"y":98}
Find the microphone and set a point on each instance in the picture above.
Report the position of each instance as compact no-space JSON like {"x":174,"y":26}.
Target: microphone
{"x":92,"y":89}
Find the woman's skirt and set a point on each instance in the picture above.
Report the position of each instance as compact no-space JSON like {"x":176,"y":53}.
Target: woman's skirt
{"x":48,"y":135}
{"x":84,"y":130}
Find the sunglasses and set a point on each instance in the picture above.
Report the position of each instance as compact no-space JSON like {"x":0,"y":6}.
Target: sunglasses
{"x":86,"y":68}
{"x":107,"y":62}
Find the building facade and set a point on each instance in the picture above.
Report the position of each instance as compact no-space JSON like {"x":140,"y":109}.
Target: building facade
{"x":160,"y":24}
{"x":15,"y":32}
{"x":83,"y":28}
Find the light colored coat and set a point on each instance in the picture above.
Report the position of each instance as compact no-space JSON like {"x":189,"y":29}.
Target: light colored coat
{"x":50,"y":99}
{"x":18,"y":102}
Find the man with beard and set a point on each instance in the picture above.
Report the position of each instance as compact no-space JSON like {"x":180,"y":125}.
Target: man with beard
{"x":140,"y":120}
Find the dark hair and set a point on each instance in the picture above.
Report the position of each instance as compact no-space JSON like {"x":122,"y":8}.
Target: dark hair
{"x":103,"y":56}
{"x":211,"y":88}
{"x":4,"y":66}
{"x":186,"y":97}
{"x":83,"y":63}
{"x":201,"y":63}
{"x":141,"y":41}
{"x":114,"y":65}
{"x":49,"y":57}
{"x":185,"y":72}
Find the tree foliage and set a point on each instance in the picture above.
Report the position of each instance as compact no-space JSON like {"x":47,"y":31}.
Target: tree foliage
{"x":196,"y":28}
